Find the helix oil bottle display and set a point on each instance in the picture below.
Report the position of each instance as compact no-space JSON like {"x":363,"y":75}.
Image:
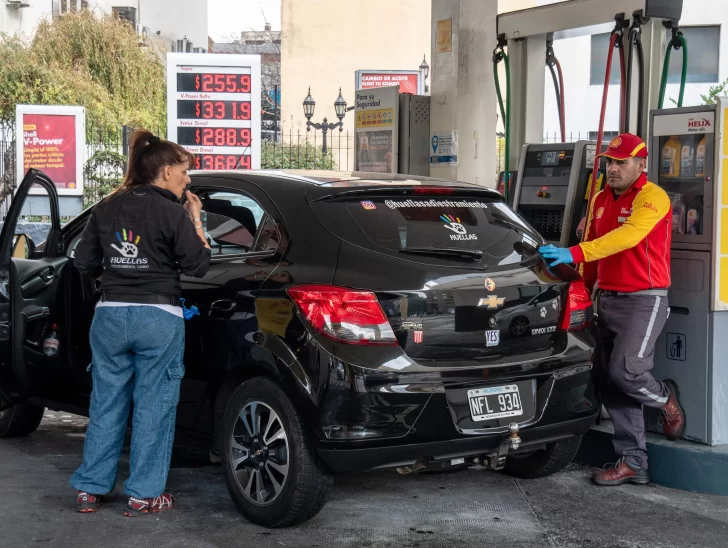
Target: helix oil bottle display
{"x":687,"y":157}
{"x":700,"y":158}
{"x":670,"y":159}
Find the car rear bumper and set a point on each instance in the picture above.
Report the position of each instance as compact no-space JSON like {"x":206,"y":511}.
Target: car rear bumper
{"x":352,"y":459}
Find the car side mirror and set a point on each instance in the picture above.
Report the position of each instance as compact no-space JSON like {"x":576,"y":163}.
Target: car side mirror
{"x":23,"y":247}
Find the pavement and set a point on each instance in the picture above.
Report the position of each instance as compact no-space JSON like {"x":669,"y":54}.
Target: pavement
{"x":464,"y":509}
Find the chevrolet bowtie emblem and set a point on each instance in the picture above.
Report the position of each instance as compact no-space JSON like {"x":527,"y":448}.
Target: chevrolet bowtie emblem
{"x":492,"y":302}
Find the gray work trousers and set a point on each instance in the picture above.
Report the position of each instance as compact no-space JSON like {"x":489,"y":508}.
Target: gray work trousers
{"x":628,"y":329}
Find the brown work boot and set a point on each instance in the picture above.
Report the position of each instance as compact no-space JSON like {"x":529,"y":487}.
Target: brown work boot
{"x":672,"y":417}
{"x":621,"y":473}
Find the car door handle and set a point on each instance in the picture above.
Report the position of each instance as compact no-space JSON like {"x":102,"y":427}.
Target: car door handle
{"x":47,"y":275}
{"x":224,"y":305}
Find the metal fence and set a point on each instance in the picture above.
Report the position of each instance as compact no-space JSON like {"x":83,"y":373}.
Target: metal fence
{"x":572,"y":137}
{"x":292,"y":150}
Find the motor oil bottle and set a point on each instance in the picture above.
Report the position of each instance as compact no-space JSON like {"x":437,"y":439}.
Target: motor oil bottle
{"x":51,"y":344}
{"x":695,"y":216}
{"x":678,"y":215}
{"x":700,"y":158}
{"x":687,"y":158}
{"x":670,"y":159}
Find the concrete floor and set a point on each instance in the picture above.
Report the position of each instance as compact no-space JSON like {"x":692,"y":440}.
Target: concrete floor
{"x":469,"y":508}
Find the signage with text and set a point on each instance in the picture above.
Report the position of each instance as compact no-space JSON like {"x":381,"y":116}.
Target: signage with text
{"x":213,"y":108}
{"x":409,"y":81}
{"x":53,"y":140}
{"x":377,"y":129}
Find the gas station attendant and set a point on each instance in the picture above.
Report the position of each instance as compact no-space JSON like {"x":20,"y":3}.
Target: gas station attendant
{"x":626,"y":251}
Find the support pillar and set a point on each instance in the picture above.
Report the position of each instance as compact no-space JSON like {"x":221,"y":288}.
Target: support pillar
{"x":528,"y":88}
{"x":462,"y":94}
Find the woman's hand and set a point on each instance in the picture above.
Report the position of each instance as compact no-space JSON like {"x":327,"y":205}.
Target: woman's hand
{"x":193,"y":207}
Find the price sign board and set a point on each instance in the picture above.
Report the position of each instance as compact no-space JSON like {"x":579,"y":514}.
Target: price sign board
{"x":213,"y":108}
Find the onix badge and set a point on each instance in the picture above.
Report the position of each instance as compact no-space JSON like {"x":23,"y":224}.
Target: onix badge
{"x":492,"y":302}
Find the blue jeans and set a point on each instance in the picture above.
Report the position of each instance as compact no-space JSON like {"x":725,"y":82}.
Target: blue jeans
{"x":137,"y":354}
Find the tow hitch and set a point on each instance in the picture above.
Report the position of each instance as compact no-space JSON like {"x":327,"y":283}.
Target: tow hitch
{"x":497,"y":459}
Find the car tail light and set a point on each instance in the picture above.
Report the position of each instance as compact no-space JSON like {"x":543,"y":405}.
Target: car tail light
{"x":433,"y":190}
{"x":344,"y":315}
{"x":579,"y":311}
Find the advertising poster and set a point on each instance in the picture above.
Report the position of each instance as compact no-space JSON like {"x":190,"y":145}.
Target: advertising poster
{"x":52,"y":139}
{"x":444,"y":148}
{"x":376,"y":130}
{"x":409,"y":81}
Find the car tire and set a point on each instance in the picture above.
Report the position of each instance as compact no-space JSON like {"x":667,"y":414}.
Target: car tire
{"x":19,"y":420}
{"x":554,"y":458}
{"x":253,"y":459}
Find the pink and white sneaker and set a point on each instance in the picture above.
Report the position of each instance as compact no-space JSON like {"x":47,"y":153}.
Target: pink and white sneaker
{"x":162,"y":503}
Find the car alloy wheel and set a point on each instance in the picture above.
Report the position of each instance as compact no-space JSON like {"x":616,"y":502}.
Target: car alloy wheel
{"x":259,"y":453}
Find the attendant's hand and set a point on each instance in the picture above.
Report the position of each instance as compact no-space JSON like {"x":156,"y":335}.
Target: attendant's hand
{"x":561,"y":254}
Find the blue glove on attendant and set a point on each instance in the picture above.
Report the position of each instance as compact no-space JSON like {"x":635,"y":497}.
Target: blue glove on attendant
{"x":561,"y":254}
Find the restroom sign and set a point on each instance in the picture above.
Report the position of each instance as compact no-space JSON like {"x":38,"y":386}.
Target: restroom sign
{"x":676,"y":347}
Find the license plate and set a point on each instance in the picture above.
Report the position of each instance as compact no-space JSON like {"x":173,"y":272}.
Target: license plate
{"x":495,"y":402}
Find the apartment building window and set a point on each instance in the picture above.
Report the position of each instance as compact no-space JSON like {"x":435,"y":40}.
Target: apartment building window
{"x":72,"y":6}
{"x":703,"y":57}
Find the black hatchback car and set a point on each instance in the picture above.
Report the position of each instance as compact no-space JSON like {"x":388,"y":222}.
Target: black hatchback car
{"x":349,"y":322}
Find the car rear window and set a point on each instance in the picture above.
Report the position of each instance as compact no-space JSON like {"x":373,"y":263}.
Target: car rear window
{"x":395,"y":226}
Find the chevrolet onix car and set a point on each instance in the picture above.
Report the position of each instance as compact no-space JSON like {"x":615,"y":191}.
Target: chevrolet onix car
{"x":348,"y":322}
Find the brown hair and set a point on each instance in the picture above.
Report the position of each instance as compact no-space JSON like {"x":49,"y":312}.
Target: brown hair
{"x":149,"y":155}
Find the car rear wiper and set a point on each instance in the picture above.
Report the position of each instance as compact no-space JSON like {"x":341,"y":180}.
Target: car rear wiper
{"x":472,"y":254}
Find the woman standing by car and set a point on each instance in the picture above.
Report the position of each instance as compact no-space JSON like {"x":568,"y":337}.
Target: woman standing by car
{"x":139,"y":239}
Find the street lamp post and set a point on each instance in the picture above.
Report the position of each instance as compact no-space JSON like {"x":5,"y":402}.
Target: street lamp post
{"x":309,"y":105}
{"x":424,"y":67}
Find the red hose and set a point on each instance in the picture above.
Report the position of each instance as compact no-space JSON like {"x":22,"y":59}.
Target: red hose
{"x":600,"y":134}
{"x":563,"y":101}
{"x":622,"y":91}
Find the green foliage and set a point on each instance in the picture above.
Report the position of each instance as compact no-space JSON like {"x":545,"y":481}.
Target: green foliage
{"x":291,"y":156}
{"x":82,"y":59}
{"x":715,"y":91}
{"x":104,"y":172}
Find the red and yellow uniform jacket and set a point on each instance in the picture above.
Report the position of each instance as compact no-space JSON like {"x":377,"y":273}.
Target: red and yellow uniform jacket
{"x":627,"y":247}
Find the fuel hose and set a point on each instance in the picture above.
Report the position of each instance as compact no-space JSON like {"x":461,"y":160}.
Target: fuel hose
{"x":500,"y":55}
{"x":678,"y":41}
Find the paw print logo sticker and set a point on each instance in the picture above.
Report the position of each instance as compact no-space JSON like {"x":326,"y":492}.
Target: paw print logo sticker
{"x":128,"y":246}
{"x":453,"y":223}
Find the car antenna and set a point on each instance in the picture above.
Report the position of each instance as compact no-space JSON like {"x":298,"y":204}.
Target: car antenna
{"x":237,"y":166}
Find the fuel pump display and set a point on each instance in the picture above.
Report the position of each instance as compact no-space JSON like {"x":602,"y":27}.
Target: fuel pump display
{"x":551,"y":190}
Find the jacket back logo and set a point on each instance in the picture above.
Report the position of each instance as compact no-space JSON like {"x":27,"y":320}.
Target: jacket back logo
{"x":128,"y":249}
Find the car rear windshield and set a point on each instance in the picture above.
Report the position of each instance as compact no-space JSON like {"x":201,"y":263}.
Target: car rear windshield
{"x":429,"y":230}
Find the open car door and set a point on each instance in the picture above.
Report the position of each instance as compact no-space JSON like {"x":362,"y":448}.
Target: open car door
{"x":30,"y":289}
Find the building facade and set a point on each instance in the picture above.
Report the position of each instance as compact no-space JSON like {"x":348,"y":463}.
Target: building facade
{"x":179,"y":25}
{"x":324,"y":43}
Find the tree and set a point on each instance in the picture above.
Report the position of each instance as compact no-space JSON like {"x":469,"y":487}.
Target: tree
{"x":715,"y":91}
{"x":96,"y":61}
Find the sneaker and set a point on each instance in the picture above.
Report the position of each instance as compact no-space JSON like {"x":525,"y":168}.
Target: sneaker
{"x":672,"y":416}
{"x":619,"y":473}
{"x":87,"y":503}
{"x":136,"y":506}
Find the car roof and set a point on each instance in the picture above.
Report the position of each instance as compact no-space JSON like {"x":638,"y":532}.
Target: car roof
{"x":334,"y":178}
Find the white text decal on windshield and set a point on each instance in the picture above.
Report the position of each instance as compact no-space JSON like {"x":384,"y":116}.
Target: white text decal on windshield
{"x":396,"y":204}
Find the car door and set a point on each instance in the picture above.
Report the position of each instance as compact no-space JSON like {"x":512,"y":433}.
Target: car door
{"x":243,"y":228}
{"x":30,"y":292}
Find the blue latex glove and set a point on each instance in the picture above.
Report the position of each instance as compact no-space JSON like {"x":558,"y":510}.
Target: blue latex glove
{"x":561,"y":254}
{"x":189,"y":313}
